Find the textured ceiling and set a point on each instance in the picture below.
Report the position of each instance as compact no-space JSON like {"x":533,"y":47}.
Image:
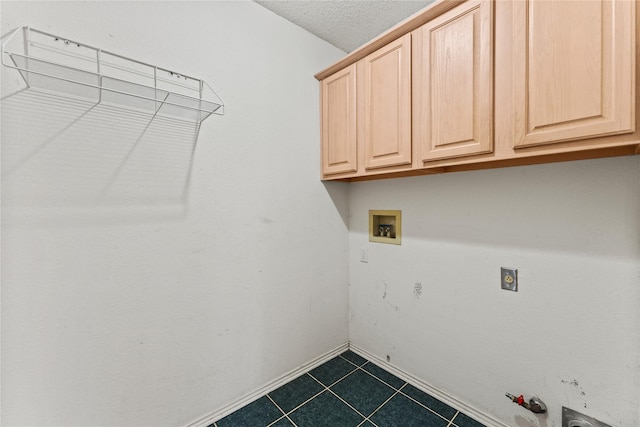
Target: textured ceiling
{"x":346,"y":24}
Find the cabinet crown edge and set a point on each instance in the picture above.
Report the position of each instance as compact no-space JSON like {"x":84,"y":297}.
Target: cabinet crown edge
{"x":416,"y":20}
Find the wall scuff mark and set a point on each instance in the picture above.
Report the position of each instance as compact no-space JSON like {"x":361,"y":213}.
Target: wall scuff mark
{"x":417,"y":290}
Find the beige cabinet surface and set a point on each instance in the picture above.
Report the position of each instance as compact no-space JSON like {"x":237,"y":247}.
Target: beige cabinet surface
{"x":574,"y":71}
{"x":339,"y":148}
{"x":453,"y":83}
{"x":387,"y":105}
{"x":476,"y":84}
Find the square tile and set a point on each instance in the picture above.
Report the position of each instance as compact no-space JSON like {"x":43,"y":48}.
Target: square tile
{"x":292,"y":394}
{"x":462,"y":420}
{"x":331,"y":371}
{"x":282,"y":422}
{"x":363,"y":392}
{"x":325,"y":410}
{"x":401,"y":411}
{"x":259,"y":413}
{"x":383,"y":375}
{"x":354,"y":358}
{"x":429,"y":401}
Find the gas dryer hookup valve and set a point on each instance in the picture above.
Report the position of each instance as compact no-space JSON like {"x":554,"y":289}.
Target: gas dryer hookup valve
{"x":535,"y":405}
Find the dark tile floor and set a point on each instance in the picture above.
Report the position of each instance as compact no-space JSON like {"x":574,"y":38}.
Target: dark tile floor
{"x":347,"y":391}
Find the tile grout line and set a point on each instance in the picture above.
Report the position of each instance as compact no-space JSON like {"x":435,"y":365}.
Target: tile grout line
{"x":324,"y":388}
{"x":277,"y":406}
{"x":429,"y":409}
{"x":451,"y":424}
{"x":309,"y":399}
{"x":396,"y":391}
{"x":365,"y":418}
{"x":333,"y":383}
{"x":381,"y":380}
{"x":454,"y":406}
{"x":284,"y":414}
{"x":385,"y":402}
{"x":349,"y":405}
{"x":404,"y":394}
{"x":399,"y":390}
{"x":215,"y":416}
{"x":357,"y":366}
{"x":340,"y":398}
{"x":290,"y":420}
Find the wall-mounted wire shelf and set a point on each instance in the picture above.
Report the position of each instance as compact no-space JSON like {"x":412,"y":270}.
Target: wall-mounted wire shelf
{"x":53,"y":63}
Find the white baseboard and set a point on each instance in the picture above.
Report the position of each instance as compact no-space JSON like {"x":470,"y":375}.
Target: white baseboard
{"x":445,"y":397}
{"x":210,"y":418}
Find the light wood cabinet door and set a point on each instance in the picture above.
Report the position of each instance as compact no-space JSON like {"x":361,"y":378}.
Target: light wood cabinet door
{"x":453,"y":83}
{"x":387,"y":105}
{"x":339,"y":150}
{"x":574,"y":70}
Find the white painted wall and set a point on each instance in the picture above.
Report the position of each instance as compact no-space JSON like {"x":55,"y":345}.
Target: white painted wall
{"x":131,"y":307}
{"x":571,"y":334}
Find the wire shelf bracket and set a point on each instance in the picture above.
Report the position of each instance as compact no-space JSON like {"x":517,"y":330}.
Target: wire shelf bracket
{"x":53,"y":63}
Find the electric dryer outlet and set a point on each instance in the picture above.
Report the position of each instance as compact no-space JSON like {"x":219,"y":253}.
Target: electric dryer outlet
{"x":509,"y":279}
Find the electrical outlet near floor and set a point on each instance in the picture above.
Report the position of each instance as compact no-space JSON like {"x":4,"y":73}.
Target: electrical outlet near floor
{"x":509,"y":279}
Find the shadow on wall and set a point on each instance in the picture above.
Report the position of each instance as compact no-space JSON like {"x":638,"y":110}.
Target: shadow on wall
{"x":339,"y":193}
{"x":63,"y":156}
{"x":588,"y":207}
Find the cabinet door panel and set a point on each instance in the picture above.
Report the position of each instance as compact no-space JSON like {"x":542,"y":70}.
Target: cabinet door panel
{"x":387,"y":117}
{"x":453,"y":83}
{"x":574,"y":74}
{"x":339,"y":153}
